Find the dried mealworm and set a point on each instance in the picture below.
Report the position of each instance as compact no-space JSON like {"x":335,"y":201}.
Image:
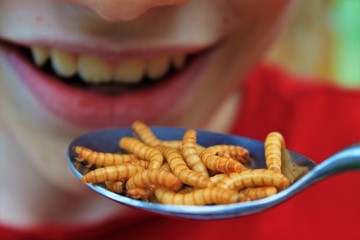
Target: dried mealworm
{"x":141,"y":163}
{"x":139,"y":193}
{"x":145,"y":134}
{"x":111,"y":173}
{"x":259,"y":192}
{"x":254,"y":178}
{"x":101,"y":159}
{"x":177,"y":144}
{"x":218,"y":178}
{"x":165,"y":167}
{"x":182,"y":171}
{"x":243,"y":197}
{"x":223,"y":154}
{"x":236,"y":152}
{"x":274,"y":143}
{"x":220,"y":164}
{"x":142,"y":151}
{"x":186,"y":189}
{"x":80,"y":167}
{"x":154,"y":177}
{"x":190,"y":154}
{"x":115,"y":186}
{"x":200,"y":197}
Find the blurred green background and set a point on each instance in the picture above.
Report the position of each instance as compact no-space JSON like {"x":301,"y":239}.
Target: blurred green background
{"x":323,"y":40}
{"x":345,"y":17}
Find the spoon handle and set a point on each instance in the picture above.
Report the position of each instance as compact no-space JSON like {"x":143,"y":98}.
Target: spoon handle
{"x":346,"y":160}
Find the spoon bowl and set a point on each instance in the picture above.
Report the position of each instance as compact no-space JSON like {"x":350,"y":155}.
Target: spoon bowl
{"x":107,"y":141}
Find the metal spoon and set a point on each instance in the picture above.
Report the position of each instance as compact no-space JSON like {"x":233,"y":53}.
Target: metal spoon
{"x":107,"y":141}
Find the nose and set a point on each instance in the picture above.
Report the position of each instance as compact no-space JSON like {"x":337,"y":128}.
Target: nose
{"x":117,"y":10}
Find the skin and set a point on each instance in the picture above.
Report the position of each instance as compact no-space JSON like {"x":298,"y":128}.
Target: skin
{"x":34,"y":141}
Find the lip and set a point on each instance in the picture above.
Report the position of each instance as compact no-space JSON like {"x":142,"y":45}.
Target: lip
{"x":88,"y":109}
{"x":114,"y":53}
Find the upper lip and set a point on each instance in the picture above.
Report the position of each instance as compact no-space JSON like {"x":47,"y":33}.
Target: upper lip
{"x":118,"y":53}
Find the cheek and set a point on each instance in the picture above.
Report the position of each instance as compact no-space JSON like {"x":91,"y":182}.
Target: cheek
{"x":40,"y":143}
{"x":219,"y":80}
{"x":250,"y":34}
{"x":255,"y":5}
{"x":255,"y":10}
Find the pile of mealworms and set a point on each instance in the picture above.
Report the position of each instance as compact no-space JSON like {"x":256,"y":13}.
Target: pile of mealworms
{"x":182,"y":171}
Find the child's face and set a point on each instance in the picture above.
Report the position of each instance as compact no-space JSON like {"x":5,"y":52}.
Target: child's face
{"x":91,"y":44}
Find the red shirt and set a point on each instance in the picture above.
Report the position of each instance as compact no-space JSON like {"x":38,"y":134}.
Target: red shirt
{"x":316,"y":120}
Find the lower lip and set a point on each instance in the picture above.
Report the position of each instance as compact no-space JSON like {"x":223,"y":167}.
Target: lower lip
{"x":88,"y":109}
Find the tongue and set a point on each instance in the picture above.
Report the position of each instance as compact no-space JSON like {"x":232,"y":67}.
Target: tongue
{"x":113,"y":87}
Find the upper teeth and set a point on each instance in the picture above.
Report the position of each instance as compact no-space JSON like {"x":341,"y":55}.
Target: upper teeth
{"x":96,"y":70}
{"x":64,"y":63}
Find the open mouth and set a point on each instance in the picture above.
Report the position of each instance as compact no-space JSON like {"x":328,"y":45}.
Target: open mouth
{"x":94,"y":92}
{"x":108,"y":77}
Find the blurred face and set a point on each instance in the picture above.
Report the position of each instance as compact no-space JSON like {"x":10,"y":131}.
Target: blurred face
{"x":75,"y":65}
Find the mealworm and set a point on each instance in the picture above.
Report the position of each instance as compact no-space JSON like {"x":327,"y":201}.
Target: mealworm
{"x":111,"y":173}
{"x":259,"y":192}
{"x":182,"y":171}
{"x":101,"y":159}
{"x":177,"y":144}
{"x":223,"y":154}
{"x":140,"y":162}
{"x":115,"y":186}
{"x":186,"y":189}
{"x":254,"y":178}
{"x":236,"y":152}
{"x":220,"y":164}
{"x":165,"y":167}
{"x":243,"y":197}
{"x":274,"y":142}
{"x":154,"y":177}
{"x":80,"y":167}
{"x":139,"y":193}
{"x":142,"y":151}
{"x":145,"y":134}
{"x":212,"y":172}
{"x":190,"y":155}
{"x":199,"y":197}
{"x":218,"y":178}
